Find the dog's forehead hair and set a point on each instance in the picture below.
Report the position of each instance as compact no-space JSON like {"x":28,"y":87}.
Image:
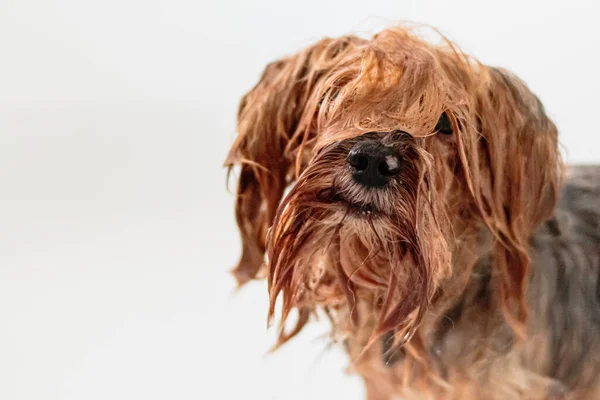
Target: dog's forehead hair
{"x":394,"y":81}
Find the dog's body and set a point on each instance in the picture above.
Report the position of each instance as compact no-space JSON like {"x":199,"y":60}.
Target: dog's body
{"x":429,"y":218}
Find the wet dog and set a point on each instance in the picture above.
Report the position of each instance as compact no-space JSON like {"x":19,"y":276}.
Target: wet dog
{"x":429,"y":216}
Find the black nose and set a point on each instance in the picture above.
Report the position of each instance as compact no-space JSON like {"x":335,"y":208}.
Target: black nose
{"x":373,"y":164}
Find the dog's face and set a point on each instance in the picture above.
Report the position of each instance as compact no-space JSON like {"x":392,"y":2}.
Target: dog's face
{"x":405,"y":163}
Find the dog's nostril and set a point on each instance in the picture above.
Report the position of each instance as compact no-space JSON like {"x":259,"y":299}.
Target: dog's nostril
{"x":389,"y":166}
{"x":359,"y":161}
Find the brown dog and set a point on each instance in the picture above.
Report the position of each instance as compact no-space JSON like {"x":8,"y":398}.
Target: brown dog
{"x":429,"y":216}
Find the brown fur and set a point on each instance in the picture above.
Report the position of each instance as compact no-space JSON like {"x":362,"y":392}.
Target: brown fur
{"x":430,"y":280}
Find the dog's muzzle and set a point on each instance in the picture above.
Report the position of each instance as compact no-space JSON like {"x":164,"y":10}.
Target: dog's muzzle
{"x":373,"y":164}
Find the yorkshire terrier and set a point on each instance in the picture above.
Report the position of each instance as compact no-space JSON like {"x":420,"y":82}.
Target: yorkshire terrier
{"x":417,"y":198}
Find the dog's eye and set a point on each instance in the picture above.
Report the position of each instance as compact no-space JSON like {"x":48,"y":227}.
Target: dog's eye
{"x":444,"y":126}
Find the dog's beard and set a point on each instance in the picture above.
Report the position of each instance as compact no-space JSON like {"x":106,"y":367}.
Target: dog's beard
{"x":334,"y":244}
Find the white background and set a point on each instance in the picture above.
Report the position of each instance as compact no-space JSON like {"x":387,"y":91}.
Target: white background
{"x":116,"y":228}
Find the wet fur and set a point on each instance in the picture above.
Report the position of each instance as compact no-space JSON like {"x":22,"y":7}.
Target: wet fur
{"x":461,"y":279}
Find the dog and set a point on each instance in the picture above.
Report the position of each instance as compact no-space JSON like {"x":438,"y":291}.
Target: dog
{"x":418,"y":199}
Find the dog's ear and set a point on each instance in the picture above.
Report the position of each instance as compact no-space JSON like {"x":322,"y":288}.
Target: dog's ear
{"x":275,"y":125}
{"x":519,"y":173}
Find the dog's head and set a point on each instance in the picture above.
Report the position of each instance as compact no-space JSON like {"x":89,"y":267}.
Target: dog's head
{"x":405,"y":162}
